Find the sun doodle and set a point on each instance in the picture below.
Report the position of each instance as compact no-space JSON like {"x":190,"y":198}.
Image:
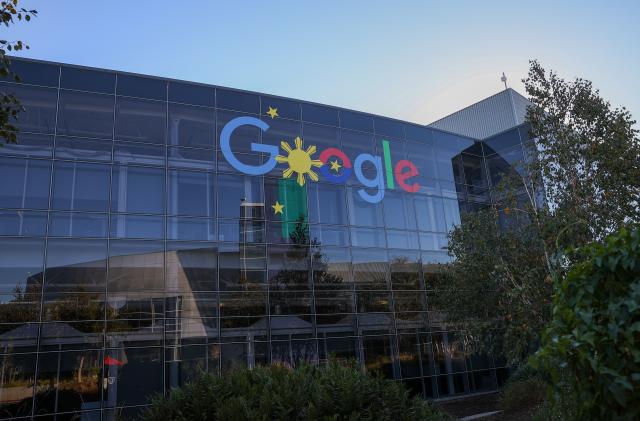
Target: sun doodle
{"x":299,"y":161}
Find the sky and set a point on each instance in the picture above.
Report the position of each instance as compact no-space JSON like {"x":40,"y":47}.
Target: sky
{"x":413,"y":60}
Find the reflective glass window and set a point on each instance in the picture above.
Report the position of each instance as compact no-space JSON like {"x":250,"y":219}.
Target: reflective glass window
{"x":322,"y":137}
{"x":430,"y":213}
{"x":29,"y":186}
{"x":242,"y":266}
{"x":140,"y":120}
{"x":289,"y":194}
{"x":21,"y":263}
{"x":82,"y":149}
{"x":202,"y":159}
{"x":180,"y":228}
{"x":423,"y":157}
{"x":80,"y":186}
{"x":39,"y":115}
{"x":362,"y":212}
{"x":331,"y":267}
{"x":188,"y":93}
{"x":399,"y":211}
{"x":29,"y":146}
{"x":501,"y":142}
{"x":327,"y":204}
{"x":23,"y":223}
{"x":75,"y":265}
{"x":134,"y":153}
{"x":191,"y":193}
{"x":368,"y":237}
{"x":474,"y":170}
{"x":136,"y":265}
{"x":247,"y":230}
{"x":87,"y":115}
{"x":289,"y":267}
{"x":34,"y":73}
{"x":137,"y":189}
{"x":356,"y":121}
{"x":87,"y":80}
{"x":388,"y":127}
{"x":137,"y":226}
{"x":370,"y":268}
{"x":191,"y":266}
{"x":402,"y":239}
{"x":325,"y":235}
{"x":285,"y":108}
{"x":319,"y":114}
{"x":405,"y":269}
{"x":140,"y":377}
{"x":452,"y":209}
{"x":240,"y":197}
{"x":355,"y":143}
{"x":237,"y":101}
{"x":192,"y":126}
{"x":70,"y":224}
{"x":142,"y":87}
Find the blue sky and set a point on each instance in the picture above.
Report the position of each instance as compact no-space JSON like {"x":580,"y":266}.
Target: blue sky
{"x":413,"y":60}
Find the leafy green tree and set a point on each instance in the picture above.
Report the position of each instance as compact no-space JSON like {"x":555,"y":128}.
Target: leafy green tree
{"x":592,"y":344}
{"x":579,"y":182}
{"x":331,"y":392}
{"x":10,"y":11}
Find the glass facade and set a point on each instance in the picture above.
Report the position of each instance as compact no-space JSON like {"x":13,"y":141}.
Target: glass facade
{"x":133,"y":256}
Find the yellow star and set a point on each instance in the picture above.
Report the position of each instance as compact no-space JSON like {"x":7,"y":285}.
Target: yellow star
{"x":273,"y":112}
{"x":335,"y":166}
{"x":277,"y":208}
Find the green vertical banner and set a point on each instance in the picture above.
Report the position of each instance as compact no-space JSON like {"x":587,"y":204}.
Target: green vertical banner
{"x":294,"y":199}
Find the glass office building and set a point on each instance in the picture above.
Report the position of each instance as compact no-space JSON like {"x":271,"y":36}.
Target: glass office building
{"x":134,"y":254}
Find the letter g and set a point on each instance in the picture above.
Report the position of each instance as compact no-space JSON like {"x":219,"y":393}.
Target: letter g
{"x":225,"y":138}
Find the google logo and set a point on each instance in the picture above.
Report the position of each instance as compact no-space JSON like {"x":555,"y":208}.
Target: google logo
{"x":301,"y":163}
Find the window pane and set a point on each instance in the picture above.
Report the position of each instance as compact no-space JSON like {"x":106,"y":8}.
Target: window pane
{"x":285,"y":108}
{"x":237,"y":101}
{"x":142,"y":87}
{"x":242,"y":266}
{"x":87,"y":80}
{"x":248,"y":231}
{"x":21,"y":262}
{"x":188,"y":93}
{"x":80,"y":149}
{"x":136,"y":265}
{"x":137,"y":189}
{"x":362,"y":212}
{"x":319,"y":114}
{"x":88,"y":115}
{"x":29,"y":186}
{"x":191,"y":193}
{"x":388,"y":127}
{"x":76,"y":265}
{"x":25,"y":223}
{"x":78,"y":225}
{"x":327,"y":204}
{"x":191,"y":158}
{"x":403,"y":239}
{"x":242,"y":137}
{"x":137,"y":226}
{"x":39,"y":104}
{"x":331,"y":268}
{"x":134,"y":153}
{"x":324,"y":235}
{"x":370,"y":268}
{"x":399,"y":211}
{"x":430,"y":213}
{"x":34,"y":73}
{"x":356,"y":121}
{"x":29,"y":145}
{"x":80,"y":186}
{"x":367,"y":237}
{"x":240,"y":196}
{"x":140,"y":120}
{"x":191,"y":229}
{"x":191,"y":126}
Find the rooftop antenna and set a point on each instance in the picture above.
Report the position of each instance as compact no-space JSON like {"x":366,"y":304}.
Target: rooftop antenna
{"x":504,"y":80}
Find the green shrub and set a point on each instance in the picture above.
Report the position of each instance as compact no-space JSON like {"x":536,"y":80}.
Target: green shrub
{"x":591,"y":349}
{"x":526,"y":389}
{"x":331,"y":392}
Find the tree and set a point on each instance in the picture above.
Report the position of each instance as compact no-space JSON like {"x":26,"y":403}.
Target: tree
{"x":9,"y":104}
{"x":579,"y":182}
{"x":591,"y":345}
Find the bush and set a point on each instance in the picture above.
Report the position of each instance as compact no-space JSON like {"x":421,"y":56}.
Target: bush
{"x":592,"y":346}
{"x":525,"y":390}
{"x":331,"y":392}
